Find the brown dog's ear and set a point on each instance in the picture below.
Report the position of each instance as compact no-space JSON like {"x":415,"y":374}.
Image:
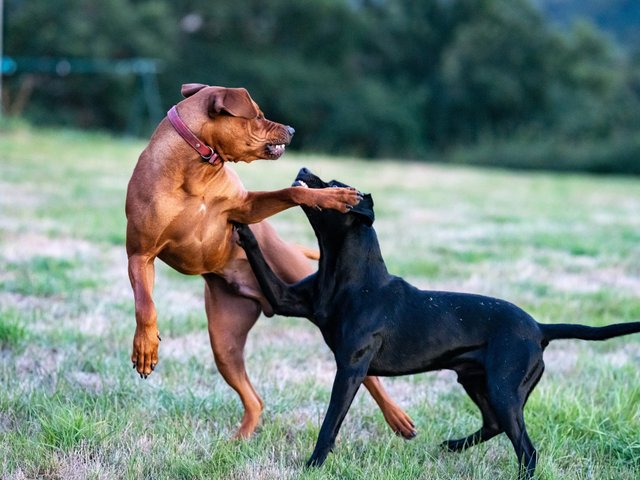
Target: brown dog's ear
{"x":234,"y":101}
{"x":189,"y":89}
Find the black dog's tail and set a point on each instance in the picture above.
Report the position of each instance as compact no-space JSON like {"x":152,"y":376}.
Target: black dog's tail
{"x":566,"y":330}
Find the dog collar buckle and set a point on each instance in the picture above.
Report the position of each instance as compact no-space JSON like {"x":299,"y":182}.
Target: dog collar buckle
{"x":207,"y":153}
{"x":213,"y":158}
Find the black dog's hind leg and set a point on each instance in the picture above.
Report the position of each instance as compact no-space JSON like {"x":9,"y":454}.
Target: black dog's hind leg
{"x":476,"y":387}
{"x":510,"y":381}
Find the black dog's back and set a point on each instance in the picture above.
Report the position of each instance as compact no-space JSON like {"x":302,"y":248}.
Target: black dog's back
{"x":432,"y":330}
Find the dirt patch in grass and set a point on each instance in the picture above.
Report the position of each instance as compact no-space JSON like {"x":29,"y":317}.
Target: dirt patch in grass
{"x":264,"y":470}
{"x":177,"y":302}
{"x":16,"y":475}
{"x":560,"y":358}
{"x":188,"y":346}
{"x":86,"y":380}
{"x":284,"y":372}
{"x":81,"y":464}
{"x":21,"y":195}
{"x":16,"y":248}
{"x":615,"y":278}
{"x":7,"y":422}
{"x":38,"y":367}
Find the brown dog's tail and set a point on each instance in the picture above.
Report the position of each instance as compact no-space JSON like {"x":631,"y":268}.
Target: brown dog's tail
{"x":583,"y":332}
{"x":310,"y":253}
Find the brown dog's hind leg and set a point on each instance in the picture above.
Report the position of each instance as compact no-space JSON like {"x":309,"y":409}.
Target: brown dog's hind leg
{"x":230,"y":318}
{"x":395,"y":416}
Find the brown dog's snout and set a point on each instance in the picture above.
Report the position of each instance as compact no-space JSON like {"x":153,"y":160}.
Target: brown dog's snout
{"x":291,"y":130}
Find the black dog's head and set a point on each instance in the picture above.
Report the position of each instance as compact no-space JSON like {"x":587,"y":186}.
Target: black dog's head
{"x":331,"y":220}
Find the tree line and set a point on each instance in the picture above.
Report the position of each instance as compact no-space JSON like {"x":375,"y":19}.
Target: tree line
{"x":485,"y":81}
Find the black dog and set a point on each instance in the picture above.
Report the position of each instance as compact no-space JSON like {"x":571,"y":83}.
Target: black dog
{"x":378,"y":324}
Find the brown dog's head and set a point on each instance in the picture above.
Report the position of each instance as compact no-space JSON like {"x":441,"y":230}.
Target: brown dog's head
{"x":233,"y":124}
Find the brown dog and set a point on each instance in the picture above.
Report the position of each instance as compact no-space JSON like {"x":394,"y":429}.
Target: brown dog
{"x":179,"y":208}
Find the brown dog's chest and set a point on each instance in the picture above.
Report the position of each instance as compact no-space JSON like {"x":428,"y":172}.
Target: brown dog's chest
{"x":198,"y":239}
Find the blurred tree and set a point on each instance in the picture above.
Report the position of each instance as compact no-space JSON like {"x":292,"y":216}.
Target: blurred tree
{"x":364,"y":77}
{"x":104,"y":29}
{"x":497,"y":70}
{"x":593,"y":95}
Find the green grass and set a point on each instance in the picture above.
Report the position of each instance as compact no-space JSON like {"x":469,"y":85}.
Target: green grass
{"x":12,"y":332}
{"x":565,"y":247}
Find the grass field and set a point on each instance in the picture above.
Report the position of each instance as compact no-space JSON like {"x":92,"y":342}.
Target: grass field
{"x":565,"y":247}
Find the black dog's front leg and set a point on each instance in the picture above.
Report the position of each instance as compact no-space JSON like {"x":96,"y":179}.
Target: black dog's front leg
{"x":288,"y":300}
{"x":345,"y":386}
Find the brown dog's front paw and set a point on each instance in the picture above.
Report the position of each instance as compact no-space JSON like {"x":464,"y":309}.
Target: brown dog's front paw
{"x":145,"y":350}
{"x":341,"y":199}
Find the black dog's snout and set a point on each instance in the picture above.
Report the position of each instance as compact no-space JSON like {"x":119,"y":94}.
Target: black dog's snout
{"x":291,"y":130}
{"x":304,"y":171}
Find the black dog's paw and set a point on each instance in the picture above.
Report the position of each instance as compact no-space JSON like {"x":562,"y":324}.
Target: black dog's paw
{"x":317,"y":458}
{"x":246,"y":239}
{"x":455,"y":446}
{"x":314,"y":462}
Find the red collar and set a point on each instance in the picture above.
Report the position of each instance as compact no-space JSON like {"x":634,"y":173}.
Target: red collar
{"x":206,"y":152}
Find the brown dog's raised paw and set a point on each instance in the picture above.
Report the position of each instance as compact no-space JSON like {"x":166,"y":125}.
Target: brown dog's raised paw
{"x":145,"y":350}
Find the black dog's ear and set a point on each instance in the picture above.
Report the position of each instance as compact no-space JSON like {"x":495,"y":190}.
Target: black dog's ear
{"x":364,"y":209}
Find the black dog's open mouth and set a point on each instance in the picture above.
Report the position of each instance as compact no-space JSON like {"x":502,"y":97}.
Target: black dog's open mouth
{"x":275,"y":150}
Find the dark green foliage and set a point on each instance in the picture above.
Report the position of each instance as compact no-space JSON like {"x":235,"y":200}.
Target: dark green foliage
{"x":615,"y":154}
{"x":496,"y":79}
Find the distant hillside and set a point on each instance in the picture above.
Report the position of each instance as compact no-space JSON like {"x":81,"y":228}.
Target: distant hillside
{"x":619,"y":18}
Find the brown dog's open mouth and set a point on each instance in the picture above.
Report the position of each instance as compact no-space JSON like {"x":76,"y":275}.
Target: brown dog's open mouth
{"x":275,"y":151}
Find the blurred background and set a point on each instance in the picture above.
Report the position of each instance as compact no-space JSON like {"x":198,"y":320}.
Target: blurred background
{"x":549,"y":84}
